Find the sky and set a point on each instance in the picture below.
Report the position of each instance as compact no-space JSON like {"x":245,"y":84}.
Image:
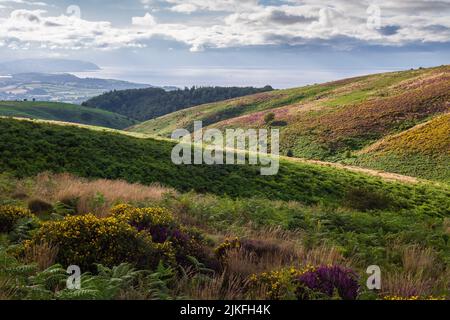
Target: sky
{"x":283,"y":43}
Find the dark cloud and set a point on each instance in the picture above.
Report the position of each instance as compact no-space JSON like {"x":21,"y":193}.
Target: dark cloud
{"x":52,"y":24}
{"x":437,"y":28}
{"x":389,"y":30}
{"x":282,"y":17}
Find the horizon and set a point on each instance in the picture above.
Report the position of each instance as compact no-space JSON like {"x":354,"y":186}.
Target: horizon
{"x":285,"y":43}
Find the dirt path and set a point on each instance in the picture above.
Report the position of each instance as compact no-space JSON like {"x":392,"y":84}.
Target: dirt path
{"x":382,"y":174}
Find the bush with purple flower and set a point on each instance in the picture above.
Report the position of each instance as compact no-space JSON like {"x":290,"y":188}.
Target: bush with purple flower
{"x":163,"y":228}
{"x":327,"y":281}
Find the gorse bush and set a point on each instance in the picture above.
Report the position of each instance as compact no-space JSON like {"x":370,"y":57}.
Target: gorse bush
{"x":276,"y":284}
{"x":226,"y":246}
{"x":140,"y":236}
{"x":10,"y":215}
{"x":88,"y":240}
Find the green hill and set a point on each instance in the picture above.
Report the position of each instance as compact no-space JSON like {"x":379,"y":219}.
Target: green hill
{"x":29,"y":148}
{"x":327,"y":121}
{"x":149,"y":103}
{"x":423,"y":151}
{"x":64,"y":112}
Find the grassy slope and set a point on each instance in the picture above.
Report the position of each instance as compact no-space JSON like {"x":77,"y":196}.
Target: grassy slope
{"x":331,"y":120}
{"x":219,"y":111}
{"x":29,"y":148}
{"x":423,"y":151}
{"x":64,"y":112}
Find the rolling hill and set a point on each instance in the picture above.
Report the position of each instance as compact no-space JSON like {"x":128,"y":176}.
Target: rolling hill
{"x":422,"y":151}
{"x":63,"y":112}
{"x":29,"y":148}
{"x":145,"y":104}
{"x":331,"y":121}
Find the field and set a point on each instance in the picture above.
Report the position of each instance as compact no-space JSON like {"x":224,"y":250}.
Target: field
{"x":64,"y":112}
{"x":332,"y":121}
{"x":140,"y":227}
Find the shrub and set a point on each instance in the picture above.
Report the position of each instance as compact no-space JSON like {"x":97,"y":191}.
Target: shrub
{"x":228,"y":244}
{"x":161,"y":225}
{"x":39,"y":207}
{"x":88,"y":240}
{"x":364,"y":199}
{"x":323,"y":282}
{"x":277,"y":284}
{"x":10,"y":215}
{"x":329,"y":281}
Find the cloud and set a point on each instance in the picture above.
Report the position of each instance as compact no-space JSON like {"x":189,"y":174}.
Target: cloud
{"x":25,"y":2}
{"x":204,"y":24}
{"x":147,"y":21}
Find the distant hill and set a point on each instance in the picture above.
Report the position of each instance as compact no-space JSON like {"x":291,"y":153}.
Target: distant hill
{"x":331,"y":121}
{"x":145,"y":104}
{"x":61,"y":87}
{"x":45,"y":66}
{"x":423,"y":151}
{"x":64,"y":112}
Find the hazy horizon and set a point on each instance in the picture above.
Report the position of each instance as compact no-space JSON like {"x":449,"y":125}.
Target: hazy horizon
{"x":283,"y":43}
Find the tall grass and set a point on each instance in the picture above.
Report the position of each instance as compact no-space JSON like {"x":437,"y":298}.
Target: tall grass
{"x":92,"y":195}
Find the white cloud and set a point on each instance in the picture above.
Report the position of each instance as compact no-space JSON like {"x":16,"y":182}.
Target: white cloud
{"x":25,"y":2}
{"x":147,"y":21}
{"x":237,"y":23}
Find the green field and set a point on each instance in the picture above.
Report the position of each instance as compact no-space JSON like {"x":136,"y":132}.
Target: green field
{"x":30,"y":148}
{"x":64,"y":112}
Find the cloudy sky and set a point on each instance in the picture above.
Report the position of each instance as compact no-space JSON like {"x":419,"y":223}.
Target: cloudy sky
{"x":284,"y":43}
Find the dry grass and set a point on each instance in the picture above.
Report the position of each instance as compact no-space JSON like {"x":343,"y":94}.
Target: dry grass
{"x":421,"y":274}
{"x":406,"y":284}
{"x":274,"y":249}
{"x":44,"y":255}
{"x":6,"y":289}
{"x":417,"y":260}
{"x":219,"y":287}
{"x":93,"y":195}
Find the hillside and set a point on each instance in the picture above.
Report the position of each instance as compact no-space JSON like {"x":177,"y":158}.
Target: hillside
{"x":145,"y":104}
{"x":29,"y":148}
{"x":63,"y":112}
{"x":422,"y":151}
{"x":309,"y":215}
{"x":330,"y":121}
